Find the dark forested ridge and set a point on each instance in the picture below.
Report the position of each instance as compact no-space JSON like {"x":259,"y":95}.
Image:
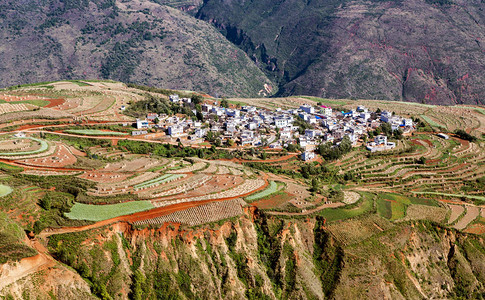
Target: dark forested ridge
{"x":414,"y":50}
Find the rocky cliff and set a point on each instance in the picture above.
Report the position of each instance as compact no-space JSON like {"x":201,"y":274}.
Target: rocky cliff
{"x":428,"y":51}
{"x":256,"y":256}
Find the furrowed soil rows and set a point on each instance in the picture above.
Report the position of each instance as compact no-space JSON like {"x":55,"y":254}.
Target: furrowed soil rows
{"x":472,"y":213}
{"x":456,"y":211}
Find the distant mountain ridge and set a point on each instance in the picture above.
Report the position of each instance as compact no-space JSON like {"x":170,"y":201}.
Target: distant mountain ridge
{"x":132,"y":41}
{"x":428,"y":51}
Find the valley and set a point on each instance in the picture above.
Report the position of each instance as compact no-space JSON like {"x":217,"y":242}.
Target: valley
{"x":93,"y":207}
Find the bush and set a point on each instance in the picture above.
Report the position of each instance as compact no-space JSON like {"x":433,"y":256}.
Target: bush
{"x":462,"y":134}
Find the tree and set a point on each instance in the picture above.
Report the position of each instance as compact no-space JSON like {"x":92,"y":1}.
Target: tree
{"x":386,"y":129}
{"x":398,"y":134}
{"x":46,"y":202}
{"x":345,"y":145}
{"x":196,"y":99}
{"x":315,"y":186}
{"x":199,"y":116}
{"x":224,"y":103}
{"x":230,"y":142}
{"x":462,"y":134}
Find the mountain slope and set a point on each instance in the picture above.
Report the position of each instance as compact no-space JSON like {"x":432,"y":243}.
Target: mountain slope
{"x":260,"y":257}
{"x":416,"y":50}
{"x":132,"y":41}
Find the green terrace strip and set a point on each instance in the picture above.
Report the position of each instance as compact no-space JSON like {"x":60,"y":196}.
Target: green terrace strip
{"x":431,"y":122}
{"x":43,"y":147}
{"x":481,"y":198}
{"x":36,"y":102}
{"x":5,"y":190}
{"x":341,"y":213}
{"x":90,"y":212}
{"x":159,"y":180}
{"x":6,"y":167}
{"x":94,"y":132}
{"x":272,"y":188}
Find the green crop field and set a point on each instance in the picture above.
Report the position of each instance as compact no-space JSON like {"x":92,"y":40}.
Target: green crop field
{"x":394,"y":206}
{"x":431,"y":122}
{"x":384,"y":208}
{"x":158,"y":180}
{"x":36,"y":102}
{"x":7,"y":167}
{"x":271,"y":189}
{"x":5,"y":190}
{"x":94,"y":132}
{"x":334,"y":214}
{"x":43,"y":147}
{"x":89,"y":212}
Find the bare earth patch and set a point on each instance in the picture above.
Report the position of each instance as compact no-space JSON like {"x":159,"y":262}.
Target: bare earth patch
{"x":472,"y":213}
{"x":456,"y":211}
{"x":351,"y":197}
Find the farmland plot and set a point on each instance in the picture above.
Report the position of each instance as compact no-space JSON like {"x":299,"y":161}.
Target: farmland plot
{"x":456,"y":211}
{"x":90,"y":212}
{"x":472,"y":212}
{"x":241,"y":190}
{"x":202,"y":214}
{"x":424,"y":212}
{"x":272,"y":188}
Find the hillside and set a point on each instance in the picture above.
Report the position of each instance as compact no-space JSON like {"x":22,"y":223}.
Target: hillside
{"x":260,"y":257}
{"x":93,"y":208}
{"x":133,"y":41}
{"x":414,"y":50}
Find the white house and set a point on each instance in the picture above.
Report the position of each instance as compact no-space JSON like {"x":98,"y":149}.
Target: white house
{"x":380,"y":140}
{"x":307,"y":108}
{"x":281,"y":122}
{"x":233,"y":112}
{"x":175,"y":130}
{"x":386,"y":116}
{"x":407,"y":122}
{"x":365,"y":115}
{"x":174,"y":98}
{"x":200,"y":133}
{"x":138,"y":132}
{"x":140,"y":124}
{"x":249,"y":108}
{"x":307,"y":156}
{"x":380,"y":143}
{"x":206,"y":107}
{"x":326,"y":110}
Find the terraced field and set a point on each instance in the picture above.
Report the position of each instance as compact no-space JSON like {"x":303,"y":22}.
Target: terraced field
{"x":38,"y":146}
{"x":95,"y":132}
{"x":88,"y":212}
{"x":448,"y":165}
{"x":271,"y":189}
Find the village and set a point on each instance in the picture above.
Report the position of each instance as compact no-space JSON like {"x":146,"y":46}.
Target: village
{"x":302,"y":129}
